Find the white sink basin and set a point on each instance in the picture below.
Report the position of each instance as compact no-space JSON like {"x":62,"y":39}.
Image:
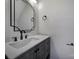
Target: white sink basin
{"x":22,"y":43}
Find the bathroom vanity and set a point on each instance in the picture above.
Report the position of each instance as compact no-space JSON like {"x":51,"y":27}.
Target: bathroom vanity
{"x":23,"y":19}
{"x":35,"y":49}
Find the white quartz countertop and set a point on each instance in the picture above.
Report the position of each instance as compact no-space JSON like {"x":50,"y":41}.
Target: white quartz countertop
{"x":12,"y":52}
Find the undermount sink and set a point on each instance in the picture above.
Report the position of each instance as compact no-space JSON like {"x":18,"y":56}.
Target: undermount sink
{"x":22,"y":43}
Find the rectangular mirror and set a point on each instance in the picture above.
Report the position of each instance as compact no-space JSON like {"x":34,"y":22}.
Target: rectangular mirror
{"x":12,"y":14}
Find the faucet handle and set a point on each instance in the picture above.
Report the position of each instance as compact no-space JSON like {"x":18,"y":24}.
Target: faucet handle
{"x":15,"y":38}
{"x":25,"y":36}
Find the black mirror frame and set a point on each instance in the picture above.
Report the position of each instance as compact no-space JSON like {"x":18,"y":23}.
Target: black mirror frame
{"x":13,"y":25}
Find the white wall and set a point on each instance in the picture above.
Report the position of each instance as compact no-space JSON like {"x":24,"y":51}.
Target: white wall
{"x":9,"y":33}
{"x":59,"y":25}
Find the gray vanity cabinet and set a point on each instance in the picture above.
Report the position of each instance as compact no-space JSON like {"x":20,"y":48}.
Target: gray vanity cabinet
{"x":40,"y":51}
{"x":27,"y":55}
{"x":47,"y":49}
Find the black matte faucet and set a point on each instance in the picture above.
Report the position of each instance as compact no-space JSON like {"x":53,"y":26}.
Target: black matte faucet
{"x":21,"y":32}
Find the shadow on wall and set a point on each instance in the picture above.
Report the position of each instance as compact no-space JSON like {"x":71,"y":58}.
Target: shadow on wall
{"x":53,"y":52}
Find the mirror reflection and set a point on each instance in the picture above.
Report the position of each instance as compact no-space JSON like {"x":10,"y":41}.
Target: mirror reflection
{"x":22,"y":15}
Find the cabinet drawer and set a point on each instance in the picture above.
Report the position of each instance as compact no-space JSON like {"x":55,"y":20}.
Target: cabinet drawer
{"x":27,"y":55}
